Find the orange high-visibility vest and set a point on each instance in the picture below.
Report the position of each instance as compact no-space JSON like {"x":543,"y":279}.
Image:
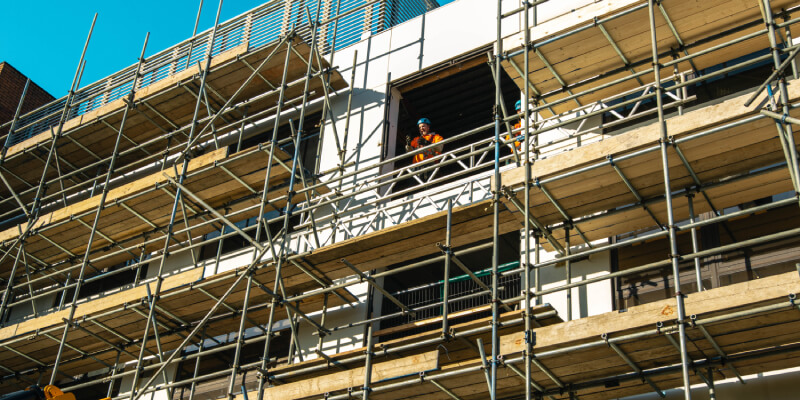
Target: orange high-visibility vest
{"x":431,"y":138}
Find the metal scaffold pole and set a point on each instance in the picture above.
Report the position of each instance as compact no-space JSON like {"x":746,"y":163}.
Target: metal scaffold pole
{"x":176,"y":203}
{"x":673,"y":240}
{"x":528,"y":353}
{"x":496,"y":190}
{"x":262,"y":224}
{"x":784,"y":130}
{"x":79,"y":282}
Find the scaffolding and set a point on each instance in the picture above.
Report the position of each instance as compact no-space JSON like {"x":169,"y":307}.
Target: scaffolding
{"x":157,"y":163}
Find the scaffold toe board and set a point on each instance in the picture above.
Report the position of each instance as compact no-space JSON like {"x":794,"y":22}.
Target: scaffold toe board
{"x":749,"y":322}
{"x":455,"y":352}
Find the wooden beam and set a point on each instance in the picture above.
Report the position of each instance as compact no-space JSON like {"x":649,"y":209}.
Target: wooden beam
{"x":415,"y":364}
{"x":639,"y":138}
{"x":100,"y":304}
{"x":763,"y":291}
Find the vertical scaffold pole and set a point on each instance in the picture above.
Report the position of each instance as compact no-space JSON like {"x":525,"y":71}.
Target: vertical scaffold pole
{"x":7,"y":143}
{"x":64,"y":112}
{"x":295,"y":160}
{"x":368,"y":366}
{"x":527,"y":197}
{"x":287,"y":214}
{"x":498,"y":54}
{"x":695,"y":247}
{"x":568,"y":270}
{"x":784,"y":130}
{"x":111,"y":165}
{"x":273,"y":143}
{"x":446,"y":283}
{"x":673,"y":243}
{"x":175,"y":204}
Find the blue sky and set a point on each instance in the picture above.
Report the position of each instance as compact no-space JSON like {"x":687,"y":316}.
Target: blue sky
{"x":44,"y":39}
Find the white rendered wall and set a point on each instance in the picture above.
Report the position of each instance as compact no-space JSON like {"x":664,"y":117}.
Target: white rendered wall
{"x":591,"y":299}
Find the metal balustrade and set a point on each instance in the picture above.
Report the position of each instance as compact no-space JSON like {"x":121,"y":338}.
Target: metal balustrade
{"x":343,"y":22}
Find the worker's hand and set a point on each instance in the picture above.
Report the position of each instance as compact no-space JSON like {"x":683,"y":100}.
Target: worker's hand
{"x":409,"y":148}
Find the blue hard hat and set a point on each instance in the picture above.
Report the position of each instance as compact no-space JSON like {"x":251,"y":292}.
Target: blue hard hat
{"x":518,"y":105}
{"x":424,"y":121}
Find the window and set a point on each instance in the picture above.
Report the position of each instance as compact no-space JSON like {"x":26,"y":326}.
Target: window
{"x":423,"y":286}
{"x":456,"y":100}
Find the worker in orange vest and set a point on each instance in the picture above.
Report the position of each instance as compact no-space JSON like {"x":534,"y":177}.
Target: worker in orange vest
{"x":518,"y":135}
{"x":425,"y":138}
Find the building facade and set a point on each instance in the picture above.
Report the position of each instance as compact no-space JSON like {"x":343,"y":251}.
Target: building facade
{"x":239,"y":216}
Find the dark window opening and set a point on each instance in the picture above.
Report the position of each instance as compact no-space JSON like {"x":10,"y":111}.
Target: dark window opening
{"x":455,"y":104}
{"x":215,"y":388}
{"x":716,"y":270}
{"x":308,"y":142}
{"x":107,"y":281}
{"x":236,"y":242}
{"x":423,"y":286}
{"x":96,"y":391}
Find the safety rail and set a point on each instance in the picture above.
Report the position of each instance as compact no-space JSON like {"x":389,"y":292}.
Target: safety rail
{"x":344,"y":22}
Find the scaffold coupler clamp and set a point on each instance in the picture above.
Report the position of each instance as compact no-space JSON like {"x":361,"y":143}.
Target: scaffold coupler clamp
{"x":451,"y":334}
{"x":530,"y":338}
{"x":604,"y":337}
{"x":693,"y":320}
{"x":422,"y":376}
{"x":792,"y":298}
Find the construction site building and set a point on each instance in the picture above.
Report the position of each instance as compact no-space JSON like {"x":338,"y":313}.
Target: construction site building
{"x":238,"y":216}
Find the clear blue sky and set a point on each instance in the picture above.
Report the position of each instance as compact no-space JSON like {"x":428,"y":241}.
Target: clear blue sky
{"x":44,"y":39}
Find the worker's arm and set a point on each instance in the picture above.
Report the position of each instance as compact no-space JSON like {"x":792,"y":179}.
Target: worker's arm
{"x":436,"y":139}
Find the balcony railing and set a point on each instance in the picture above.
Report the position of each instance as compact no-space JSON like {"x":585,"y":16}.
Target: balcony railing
{"x":342,"y":23}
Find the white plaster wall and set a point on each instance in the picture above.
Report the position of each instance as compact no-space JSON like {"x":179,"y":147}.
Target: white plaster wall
{"x":340,"y":340}
{"x":591,"y":299}
{"x":127,"y":382}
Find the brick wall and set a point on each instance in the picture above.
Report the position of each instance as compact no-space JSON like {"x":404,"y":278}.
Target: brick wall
{"x":12,"y":83}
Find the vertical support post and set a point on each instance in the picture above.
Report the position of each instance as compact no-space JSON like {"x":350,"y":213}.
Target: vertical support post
{"x":200,"y":349}
{"x":712,"y":392}
{"x":527,"y":199}
{"x":368,"y":365}
{"x":7,"y":143}
{"x":288,"y":211}
{"x":537,"y":275}
{"x":446,"y":283}
{"x":568,"y":270}
{"x":673,"y":242}
{"x":10,"y":286}
{"x":273,"y":143}
{"x":498,"y":56}
{"x":322,"y":322}
{"x":784,"y":130}
{"x":194,"y":32}
{"x":175,"y":204}
{"x":240,"y":338}
{"x":695,"y":248}
{"x":790,"y":43}
{"x":100,"y":207}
